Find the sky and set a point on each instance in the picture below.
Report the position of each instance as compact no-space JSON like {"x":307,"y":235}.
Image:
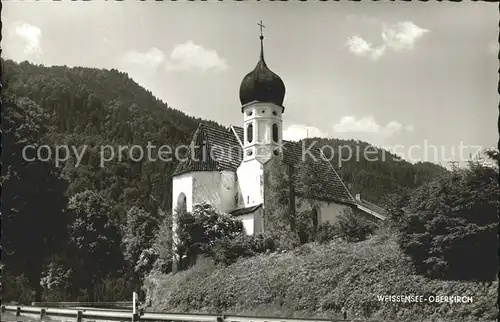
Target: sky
{"x":419,"y":79}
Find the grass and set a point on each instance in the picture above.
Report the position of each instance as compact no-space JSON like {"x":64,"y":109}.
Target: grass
{"x":318,"y":281}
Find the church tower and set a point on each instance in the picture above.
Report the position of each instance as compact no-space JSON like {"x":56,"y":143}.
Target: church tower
{"x":261,"y":95}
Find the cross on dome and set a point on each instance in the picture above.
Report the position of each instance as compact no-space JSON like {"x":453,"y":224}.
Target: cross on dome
{"x":261,"y":26}
{"x":261,"y":84}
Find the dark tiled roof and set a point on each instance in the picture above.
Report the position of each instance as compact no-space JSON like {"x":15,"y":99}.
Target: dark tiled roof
{"x":239,"y":131}
{"x":244,"y":211}
{"x":332,"y":187}
{"x":222,"y":151}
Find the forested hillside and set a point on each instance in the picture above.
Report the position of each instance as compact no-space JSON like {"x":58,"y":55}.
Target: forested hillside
{"x":84,"y":106}
{"x":374,"y":180}
{"x":100,"y":107}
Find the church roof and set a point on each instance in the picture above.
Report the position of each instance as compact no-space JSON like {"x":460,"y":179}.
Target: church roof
{"x":228,"y":154}
{"x":221,"y":151}
{"x":371,"y":208}
{"x":245,"y":210}
{"x":261,"y":84}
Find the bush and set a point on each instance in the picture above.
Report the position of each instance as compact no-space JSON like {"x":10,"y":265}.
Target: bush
{"x":450,"y":229}
{"x":201,"y":231}
{"x":146,"y":262}
{"x":112,"y":289}
{"x":305,"y":228}
{"x":326,"y":232}
{"x":317,"y":281}
{"x":228,"y":250}
{"x":160,"y":254}
{"x":56,"y":281}
{"x":15,"y":288}
{"x":351,"y":228}
{"x":138,"y":233}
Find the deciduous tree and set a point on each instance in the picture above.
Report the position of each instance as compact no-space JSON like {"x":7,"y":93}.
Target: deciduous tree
{"x":450,"y":225}
{"x":33,"y":199}
{"x":95,"y":238}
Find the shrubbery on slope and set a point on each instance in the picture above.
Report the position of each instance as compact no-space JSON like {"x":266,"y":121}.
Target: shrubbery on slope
{"x":318,"y":280}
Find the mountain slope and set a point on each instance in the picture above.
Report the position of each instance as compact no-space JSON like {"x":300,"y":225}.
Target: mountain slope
{"x":374,"y":173}
{"x":99,"y":107}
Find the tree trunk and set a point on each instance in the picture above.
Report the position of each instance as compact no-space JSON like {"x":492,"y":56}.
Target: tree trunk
{"x":91,"y":292}
{"x":38,"y":293}
{"x":291,"y":198}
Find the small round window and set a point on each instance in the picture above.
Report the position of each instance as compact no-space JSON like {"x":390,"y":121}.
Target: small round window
{"x":249,"y":152}
{"x":249,"y":113}
{"x":274,"y":113}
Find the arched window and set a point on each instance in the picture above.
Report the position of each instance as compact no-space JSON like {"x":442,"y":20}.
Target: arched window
{"x":181,"y":203}
{"x":250,"y":133}
{"x":275,"y":132}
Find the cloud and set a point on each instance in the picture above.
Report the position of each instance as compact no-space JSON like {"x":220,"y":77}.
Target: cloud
{"x":368,"y":125}
{"x":402,"y":35}
{"x":360,"y":47}
{"x":189,"y":56}
{"x":296,"y":132}
{"x":349,"y":127}
{"x":153,"y":58}
{"x":184,"y":57}
{"x":397,"y":37}
{"x":31,"y":36}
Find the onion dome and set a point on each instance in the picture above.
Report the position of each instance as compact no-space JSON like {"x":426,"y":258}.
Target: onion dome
{"x":262,"y":84}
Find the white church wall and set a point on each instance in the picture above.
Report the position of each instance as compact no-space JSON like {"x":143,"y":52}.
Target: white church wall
{"x":248,"y":223}
{"x":228,"y":190}
{"x":218,"y":188}
{"x":253,"y":222}
{"x":330,"y":211}
{"x":183,"y":184}
{"x":327,"y":211}
{"x":250,"y":181}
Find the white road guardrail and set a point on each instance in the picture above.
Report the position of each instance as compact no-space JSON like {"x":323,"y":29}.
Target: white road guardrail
{"x":91,"y":314}
{"x":110,"y":305}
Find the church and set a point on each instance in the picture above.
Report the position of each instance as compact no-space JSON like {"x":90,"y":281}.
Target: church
{"x":227,"y":170}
